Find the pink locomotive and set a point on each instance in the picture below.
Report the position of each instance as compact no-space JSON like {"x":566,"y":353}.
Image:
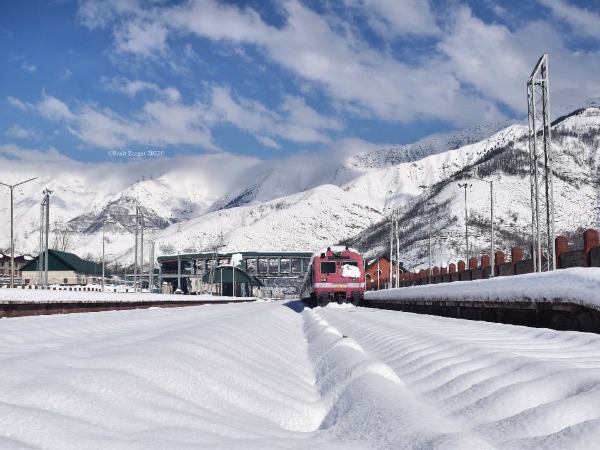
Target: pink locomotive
{"x":334,"y":274}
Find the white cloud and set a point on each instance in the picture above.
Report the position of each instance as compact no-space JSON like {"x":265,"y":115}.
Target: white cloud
{"x":103,"y":129}
{"x":142,"y":38}
{"x":300,"y":113}
{"x":28,"y":67}
{"x":219,"y":22}
{"x":478,"y":68}
{"x":246,"y":114}
{"x":134,"y":87}
{"x":20,"y":154}
{"x":357,"y":78}
{"x":65,"y":74}
{"x":24,"y":64}
{"x":295,"y":121}
{"x":496,"y":62}
{"x":54,"y":109}
{"x":17,"y":103}
{"x":487,"y":57}
{"x":583,"y":21}
{"x":100,"y":13}
{"x":20,"y":132}
{"x":268,"y":142}
{"x":159,"y":123}
{"x":170,"y":122}
{"x":393,"y":18}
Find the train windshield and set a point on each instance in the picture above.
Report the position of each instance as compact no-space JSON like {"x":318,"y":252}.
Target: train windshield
{"x":327,"y":267}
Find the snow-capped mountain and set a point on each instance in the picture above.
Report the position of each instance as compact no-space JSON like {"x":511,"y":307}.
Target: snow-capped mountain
{"x":310,"y":200}
{"x":432,"y":145}
{"x":504,"y":160}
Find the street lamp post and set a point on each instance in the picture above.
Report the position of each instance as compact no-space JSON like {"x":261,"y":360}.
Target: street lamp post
{"x":44,"y":228}
{"x":103,"y":254}
{"x":430,"y":271}
{"x":493,"y":260}
{"x":465,"y":186}
{"x":397,"y":250}
{"x":392,"y":218}
{"x":12,"y":241}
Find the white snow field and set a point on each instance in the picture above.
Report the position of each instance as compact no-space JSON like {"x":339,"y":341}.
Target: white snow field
{"x":274,"y":375}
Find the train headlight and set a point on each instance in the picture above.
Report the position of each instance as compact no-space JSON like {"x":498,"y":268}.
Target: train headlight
{"x":323,"y":279}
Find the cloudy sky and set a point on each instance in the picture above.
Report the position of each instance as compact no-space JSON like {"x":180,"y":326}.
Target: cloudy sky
{"x":99,"y":80}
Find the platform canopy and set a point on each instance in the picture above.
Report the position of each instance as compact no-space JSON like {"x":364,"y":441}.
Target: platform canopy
{"x":225,"y":274}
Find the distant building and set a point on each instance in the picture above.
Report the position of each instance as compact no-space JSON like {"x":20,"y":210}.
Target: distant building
{"x":63,"y":268}
{"x":377,"y":273}
{"x":5,"y":266}
{"x":277,"y":272}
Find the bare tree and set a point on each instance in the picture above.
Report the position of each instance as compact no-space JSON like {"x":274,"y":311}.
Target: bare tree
{"x":62,"y":237}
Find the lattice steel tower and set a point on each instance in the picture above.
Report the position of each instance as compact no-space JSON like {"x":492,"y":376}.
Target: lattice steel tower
{"x":540,"y":160}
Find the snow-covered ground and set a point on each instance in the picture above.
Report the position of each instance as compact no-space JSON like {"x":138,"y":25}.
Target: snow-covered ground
{"x":80,"y":294}
{"x":267,"y":375}
{"x":575,"y":285}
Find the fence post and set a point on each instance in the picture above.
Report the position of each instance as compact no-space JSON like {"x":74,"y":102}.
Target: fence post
{"x":561,"y":245}
{"x":590,"y":240}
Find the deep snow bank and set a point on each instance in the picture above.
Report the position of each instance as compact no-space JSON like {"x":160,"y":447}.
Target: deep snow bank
{"x":577,"y":285}
{"x":368,"y":403}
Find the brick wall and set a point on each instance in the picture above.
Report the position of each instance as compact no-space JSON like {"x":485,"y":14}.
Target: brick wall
{"x":566,"y":257}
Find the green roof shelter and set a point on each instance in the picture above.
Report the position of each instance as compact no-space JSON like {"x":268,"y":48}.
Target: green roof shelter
{"x":63,"y":268}
{"x":225,"y":277}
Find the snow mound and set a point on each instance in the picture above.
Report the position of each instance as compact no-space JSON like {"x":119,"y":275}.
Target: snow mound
{"x":352,"y":382}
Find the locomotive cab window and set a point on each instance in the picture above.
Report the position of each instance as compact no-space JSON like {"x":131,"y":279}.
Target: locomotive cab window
{"x":328,"y":267}
{"x":350,"y":263}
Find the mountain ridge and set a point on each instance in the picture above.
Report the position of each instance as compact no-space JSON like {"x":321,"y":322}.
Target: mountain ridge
{"x":309,"y":201}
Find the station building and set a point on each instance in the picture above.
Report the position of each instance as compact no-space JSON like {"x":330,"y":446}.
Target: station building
{"x":6,"y":267}
{"x":63,"y":268}
{"x":272,"y":273}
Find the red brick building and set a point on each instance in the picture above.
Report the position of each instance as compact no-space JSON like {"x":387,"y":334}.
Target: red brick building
{"x":377,"y":274}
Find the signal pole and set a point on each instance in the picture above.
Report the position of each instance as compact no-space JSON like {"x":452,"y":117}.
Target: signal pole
{"x":12,"y":239}
{"x":540,"y":162}
{"x":466,"y":185}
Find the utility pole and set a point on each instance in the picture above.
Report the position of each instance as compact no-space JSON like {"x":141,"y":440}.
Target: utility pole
{"x":391,"y":247}
{"x":540,"y":163}
{"x":397,"y":250}
{"x":135,"y":251}
{"x":430,"y":270}
{"x":492,"y":256}
{"x":103,"y":254}
{"x":142,"y":253}
{"x":12,"y":240}
{"x":465,"y":186}
{"x":151,"y":267}
{"x":44,"y":230}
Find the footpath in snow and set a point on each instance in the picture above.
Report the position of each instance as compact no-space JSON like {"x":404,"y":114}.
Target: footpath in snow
{"x":276,"y":375}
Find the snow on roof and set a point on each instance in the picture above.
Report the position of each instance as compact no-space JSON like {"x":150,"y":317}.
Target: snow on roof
{"x":335,"y":249}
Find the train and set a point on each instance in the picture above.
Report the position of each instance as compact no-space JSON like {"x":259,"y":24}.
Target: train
{"x":335,"y":274}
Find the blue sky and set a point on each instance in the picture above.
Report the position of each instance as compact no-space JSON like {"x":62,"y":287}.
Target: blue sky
{"x":99,"y":80}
